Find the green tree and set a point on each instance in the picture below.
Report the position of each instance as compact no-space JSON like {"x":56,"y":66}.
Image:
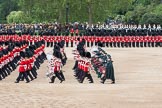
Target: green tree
{"x":18,"y":17}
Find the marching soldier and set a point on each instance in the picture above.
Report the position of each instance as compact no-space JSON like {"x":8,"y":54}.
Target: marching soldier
{"x":86,"y":68}
{"x":57,"y":68}
{"x":22,"y":68}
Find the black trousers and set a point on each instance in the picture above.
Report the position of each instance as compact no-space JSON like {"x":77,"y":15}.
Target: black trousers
{"x":145,"y":44}
{"x":48,"y":44}
{"x":114,"y":44}
{"x":4,"y":72}
{"x":86,"y":74}
{"x":118,"y":44}
{"x":28,"y":74}
{"x":71,"y":43}
{"x":34,"y":73}
{"x":2,"y":75}
{"x":22,"y":74}
{"x":91,"y":44}
{"x":87,"y":44}
{"x":51,"y":44}
{"x":62,"y":75}
{"x":107,"y":44}
{"x":57,"y":75}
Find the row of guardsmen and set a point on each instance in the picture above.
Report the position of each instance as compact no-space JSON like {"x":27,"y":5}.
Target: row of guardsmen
{"x":108,"y":41}
{"x":83,"y":68}
{"x":31,"y":59}
{"x":9,"y":57}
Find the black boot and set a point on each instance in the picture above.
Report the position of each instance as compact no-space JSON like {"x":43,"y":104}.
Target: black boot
{"x":52,"y":79}
{"x":62,"y":76}
{"x":90,"y":78}
{"x":103,"y":80}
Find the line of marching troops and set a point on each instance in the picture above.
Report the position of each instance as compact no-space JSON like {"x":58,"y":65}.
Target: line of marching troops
{"x":82,"y":67}
{"x":107,"y":41}
{"x":9,"y":57}
{"x":17,"y":52}
{"x":97,"y":60}
{"x":31,"y":59}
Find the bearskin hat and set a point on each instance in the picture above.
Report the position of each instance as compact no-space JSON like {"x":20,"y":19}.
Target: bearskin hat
{"x":22,"y":54}
{"x":7,"y":43}
{"x":88,"y":54}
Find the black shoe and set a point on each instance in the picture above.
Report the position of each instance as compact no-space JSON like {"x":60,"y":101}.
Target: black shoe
{"x":102,"y":82}
{"x":113,"y":82}
{"x":27,"y":81}
{"x":91,"y":82}
{"x":61,"y":81}
{"x":51,"y":82}
{"x":81,"y":81}
{"x":16,"y":81}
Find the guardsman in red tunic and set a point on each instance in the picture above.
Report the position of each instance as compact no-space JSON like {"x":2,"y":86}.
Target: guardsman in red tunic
{"x":30,"y":68}
{"x":92,"y":40}
{"x":107,"y":41}
{"x":3,"y":73}
{"x":45,"y":39}
{"x":22,"y":69}
{"x":96,"y":40}
{"x":141,"y":41}
{"x":67,"y":41}
{"x":88,"y":40}
{"x":114,"y":41}
{"x":104,"y":41}
{"x":145,"y":41}
{"x":126,"y":41}
{"x":118,"y":41}
{"x":157,"y":41}
{"x":51,"y":41}
{"x":152,"y":41}
{"x":122,"y":41}
{"x":130,"y":41}
{"x":48,"y":41}
{"x":111,"y":41}
{"x":72,"y":40}
{"x":160,"y":41}
{"x":137,"y":41}
{"x":149,"y":41}
{"x":3,"y":64}
{"x":86,"y":68}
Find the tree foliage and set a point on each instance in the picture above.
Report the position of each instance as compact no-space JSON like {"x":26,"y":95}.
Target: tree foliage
{"x":128,"y":11}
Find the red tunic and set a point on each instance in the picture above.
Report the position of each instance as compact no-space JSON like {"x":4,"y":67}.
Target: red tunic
{"x":160,"y":38}
{"x":23,"y":65}
{"x":30,"y":62}
{"x":87,"y":65}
